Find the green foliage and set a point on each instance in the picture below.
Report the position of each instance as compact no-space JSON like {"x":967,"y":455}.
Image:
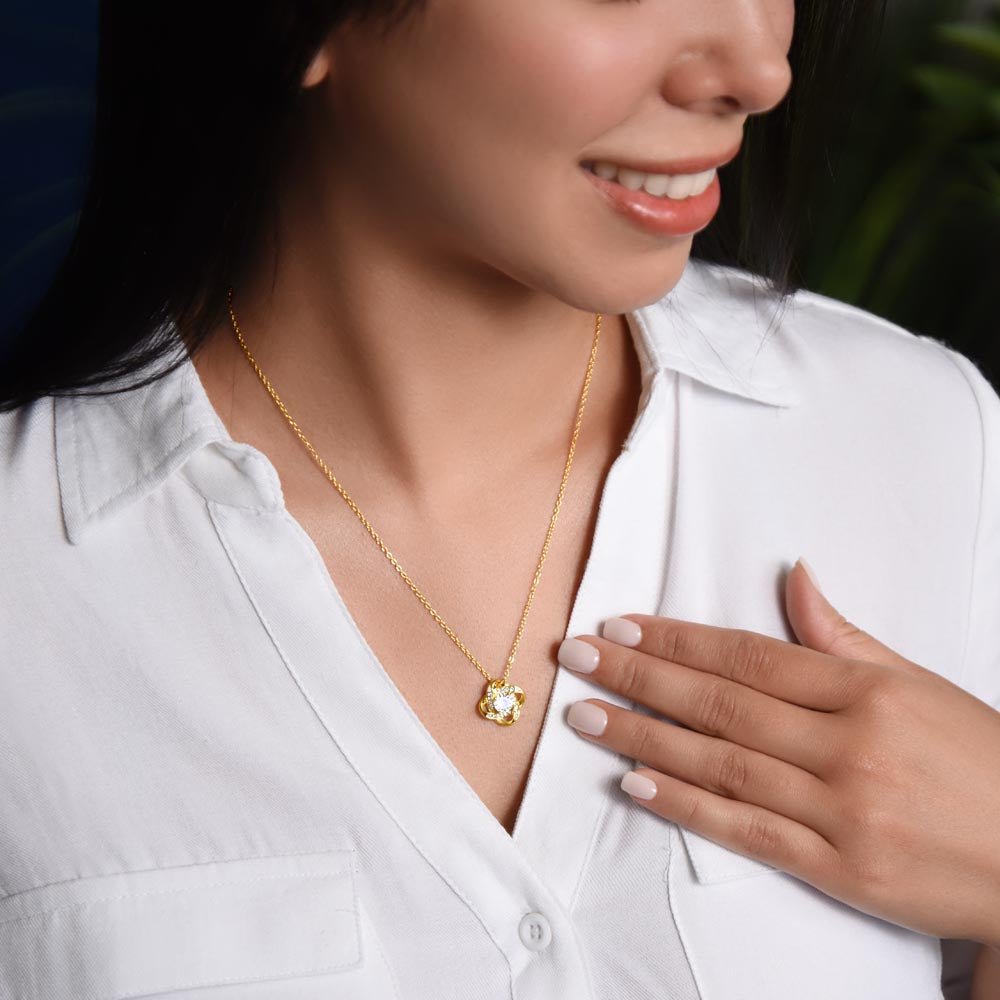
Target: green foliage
{"x":911,"y":226}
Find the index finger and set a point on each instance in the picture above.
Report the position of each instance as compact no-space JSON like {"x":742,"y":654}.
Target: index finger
{"x":786,"y":670}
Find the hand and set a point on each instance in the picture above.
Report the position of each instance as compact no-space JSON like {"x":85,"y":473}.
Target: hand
{"x":839,"y":761}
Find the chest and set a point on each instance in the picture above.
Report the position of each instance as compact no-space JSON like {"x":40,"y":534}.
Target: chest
{"x":264,"y":739}
{"x":479,"y":588}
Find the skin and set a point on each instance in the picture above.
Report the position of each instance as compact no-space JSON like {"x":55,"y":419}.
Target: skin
{"x":434,"y":193}
{"x":428,"y":308}
{"x":442,"y":258}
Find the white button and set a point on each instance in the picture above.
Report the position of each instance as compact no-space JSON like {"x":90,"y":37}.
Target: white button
{"x":535,"y":931}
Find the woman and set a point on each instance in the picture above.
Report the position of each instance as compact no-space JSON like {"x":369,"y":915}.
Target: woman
{"x":403,"y":253}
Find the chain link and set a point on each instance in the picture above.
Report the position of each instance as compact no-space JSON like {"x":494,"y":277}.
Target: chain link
{"x":378,"y":541}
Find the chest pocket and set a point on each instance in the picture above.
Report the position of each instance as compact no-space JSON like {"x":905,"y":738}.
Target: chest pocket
{"x":269,"y":923}
{"x":714,"y":863}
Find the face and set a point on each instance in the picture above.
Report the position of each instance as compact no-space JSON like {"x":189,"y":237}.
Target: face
{"x":463,"y":133}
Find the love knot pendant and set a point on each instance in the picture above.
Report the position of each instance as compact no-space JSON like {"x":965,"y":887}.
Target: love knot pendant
{"x":501,"y":702}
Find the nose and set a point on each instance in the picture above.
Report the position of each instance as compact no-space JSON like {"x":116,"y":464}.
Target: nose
{"x":736,"y":58}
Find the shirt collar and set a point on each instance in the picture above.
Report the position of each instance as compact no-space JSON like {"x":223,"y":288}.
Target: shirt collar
{"x":715,"y":326}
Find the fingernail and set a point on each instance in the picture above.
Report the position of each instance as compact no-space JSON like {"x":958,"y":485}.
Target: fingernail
{"x":638,"y":785}
{"x":622,"y":631}
{"x":811,"y":574}
{"x":588,"y":718}
{"x":578,"y":655}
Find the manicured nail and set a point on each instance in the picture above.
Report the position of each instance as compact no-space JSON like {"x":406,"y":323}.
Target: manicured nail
{"x":638,"y":785}
{"x":622,"y":631}
{"x":810,"y":572}
{"x":588,"y":718}
{"x":578,"y":655}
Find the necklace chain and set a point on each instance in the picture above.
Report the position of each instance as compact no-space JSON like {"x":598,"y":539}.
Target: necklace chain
{"x":496,"y":687}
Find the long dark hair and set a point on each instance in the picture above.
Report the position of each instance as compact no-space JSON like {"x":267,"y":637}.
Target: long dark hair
{"x":193,"y":103}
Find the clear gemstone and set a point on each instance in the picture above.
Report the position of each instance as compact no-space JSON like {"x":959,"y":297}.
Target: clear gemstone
{"x":504,"y":702}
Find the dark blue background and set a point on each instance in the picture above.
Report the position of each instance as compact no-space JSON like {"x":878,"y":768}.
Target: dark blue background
{"x":47,"y":61}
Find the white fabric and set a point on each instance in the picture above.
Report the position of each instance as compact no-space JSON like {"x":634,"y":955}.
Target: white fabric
{"x":210,"y":787}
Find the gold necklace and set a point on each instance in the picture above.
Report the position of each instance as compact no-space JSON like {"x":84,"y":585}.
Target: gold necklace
{"x":501,"y":702}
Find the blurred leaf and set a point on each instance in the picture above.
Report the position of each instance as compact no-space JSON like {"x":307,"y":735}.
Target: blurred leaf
{"x":910,"y":229}
{"x":988,"y":149}
{"x":952,"y":89}
{"x":875,"y":221}
{"x":915,"y":250}
{"x":981,"y":39}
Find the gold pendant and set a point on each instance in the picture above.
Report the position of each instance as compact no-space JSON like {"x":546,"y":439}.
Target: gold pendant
{"x":501,"y":702}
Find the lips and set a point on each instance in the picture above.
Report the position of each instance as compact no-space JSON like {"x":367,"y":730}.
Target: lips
{"x":659,"y":215}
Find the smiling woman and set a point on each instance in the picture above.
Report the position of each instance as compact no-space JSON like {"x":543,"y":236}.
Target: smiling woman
{"x":523,"y":274}
{"x":428,"y":112}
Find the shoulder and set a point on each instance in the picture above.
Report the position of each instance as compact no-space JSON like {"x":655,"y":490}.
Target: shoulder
{"x":919,"y":385}
{"x":844,"y":355}
{"x":871,"y":344}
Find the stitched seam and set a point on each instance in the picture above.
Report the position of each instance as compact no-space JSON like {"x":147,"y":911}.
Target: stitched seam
{"x":963,"y":661}
{"x":194,"y":864}
{"x":84,"y":904}
{"x":324,"y":579}
{"x":274,"y":974}
{"x":78,"y":505}
{"x":94,"y":511}
{"x":588,"y":854}
{"x":148,"y":474}
{"x":385,"y":961}
{"x":435,"y":747}
{"x":673,"y":843}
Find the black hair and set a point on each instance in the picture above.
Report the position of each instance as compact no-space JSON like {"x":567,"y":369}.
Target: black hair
{"x":192,"y":108}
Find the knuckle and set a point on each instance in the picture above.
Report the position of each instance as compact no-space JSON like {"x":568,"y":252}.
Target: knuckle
{"x":669,"y":642}
{"x":718,"y":708}
{"x":884,"y":701}
{"x":690,"y":812}
{"x":845,"y":631}
{"x":856,"y":681}
{"x":729,"y":772}
{"x":752,"y":661}
{"x":760,"y":836}
{"x":633,"y":677}
{"x":869,"y":820}
{"x":638,"y":740}
{"x":870,"y":873}
{"x":879,"y":819}
{"x":867,"y":762}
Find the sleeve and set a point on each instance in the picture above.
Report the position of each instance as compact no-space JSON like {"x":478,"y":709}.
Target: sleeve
{"x":980,"y":670}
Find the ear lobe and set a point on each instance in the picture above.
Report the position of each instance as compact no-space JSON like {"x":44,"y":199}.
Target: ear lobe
{"x":318,"y":68}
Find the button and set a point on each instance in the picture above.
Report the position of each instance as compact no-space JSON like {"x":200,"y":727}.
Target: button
{"x":535,"y":931}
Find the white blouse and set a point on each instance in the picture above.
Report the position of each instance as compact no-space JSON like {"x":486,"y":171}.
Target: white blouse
{"x":209,"y":786}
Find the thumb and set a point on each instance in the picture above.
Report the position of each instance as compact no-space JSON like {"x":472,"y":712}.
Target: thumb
{"x":819,"y":625}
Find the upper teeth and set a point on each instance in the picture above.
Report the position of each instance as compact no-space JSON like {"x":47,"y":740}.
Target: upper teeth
{"x":678,"y":186}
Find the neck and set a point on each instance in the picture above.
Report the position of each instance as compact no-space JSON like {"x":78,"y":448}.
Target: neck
{"x":402,"y":367}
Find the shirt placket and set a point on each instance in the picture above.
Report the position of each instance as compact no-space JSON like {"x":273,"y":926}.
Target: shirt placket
{"x":519,"y":887}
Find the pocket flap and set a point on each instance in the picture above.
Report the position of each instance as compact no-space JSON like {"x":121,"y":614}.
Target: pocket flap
{"x":714,"y":863}
{"x":165,"y":929}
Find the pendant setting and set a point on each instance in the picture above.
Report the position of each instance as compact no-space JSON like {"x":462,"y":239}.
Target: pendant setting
{"x":501,"y":702}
